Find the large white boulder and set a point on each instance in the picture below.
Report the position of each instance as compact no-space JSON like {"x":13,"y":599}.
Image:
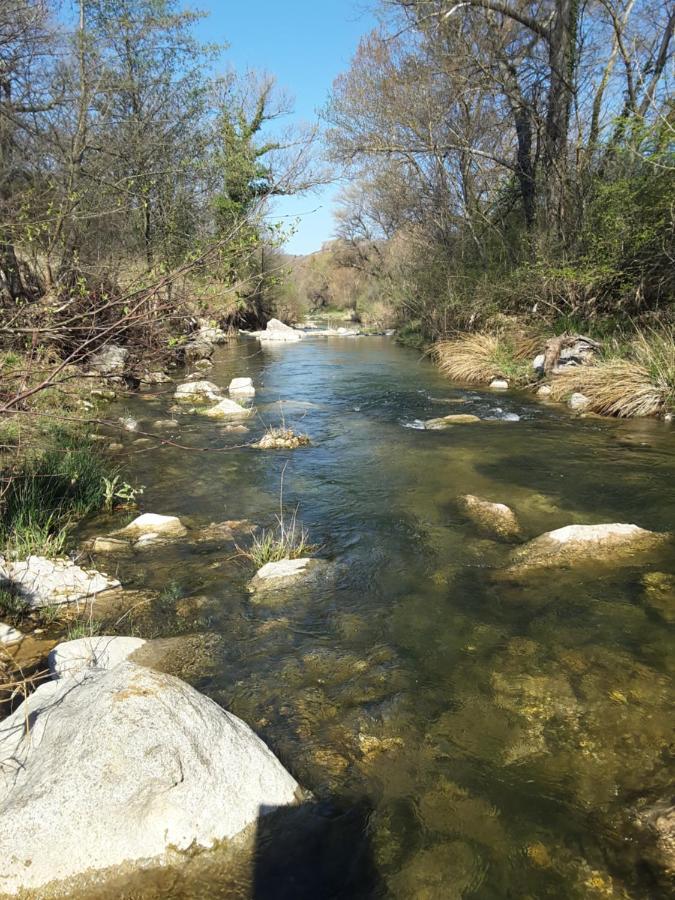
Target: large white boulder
{"x":277,"y":331}
{"x":124,"y":765}
{"x":226,"y":409}
{"x":573,"y":544}
{"x":49,"y":582}
{"x":197,"y":392}
{"x":242,"y":387}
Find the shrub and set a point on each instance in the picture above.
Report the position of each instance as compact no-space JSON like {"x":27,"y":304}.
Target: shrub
{"x":287,"y":540}
{"x":480,"y":357}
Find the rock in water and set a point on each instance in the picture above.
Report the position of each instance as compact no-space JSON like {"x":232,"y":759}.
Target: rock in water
{"x":496,"y":519}
{"x":448,"y":421}
{"x":277,"y":331}
{"x":226,"y":409}
{"x":152,"y":523}
{"x":274,"y":576}
{"x":578,"y":401}
{"x":197,"y":392}
{"x":127,"y":765}
{"x":242,"y":386}
{"x":584,"y":543}
{"x":47,"y":582}
{"x":499,"y":384}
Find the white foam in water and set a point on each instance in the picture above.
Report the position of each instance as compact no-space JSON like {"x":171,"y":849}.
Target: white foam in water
{"x":417,"y":424}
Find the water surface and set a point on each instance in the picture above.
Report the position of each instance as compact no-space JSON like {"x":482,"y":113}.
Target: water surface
{"x":462,"y":736}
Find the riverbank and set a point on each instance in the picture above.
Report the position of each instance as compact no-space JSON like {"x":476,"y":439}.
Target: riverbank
{"x":625,"y":377}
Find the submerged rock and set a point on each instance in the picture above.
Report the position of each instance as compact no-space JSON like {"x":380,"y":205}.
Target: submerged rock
{"x":242,"y":386}
{"x":226,"y":409}
{"x":50,"y":582}
{"x":496,"y":519}
{"x":155,"y":378}
{"x":659,"y":594}
{"x":658,"y":823}
{"x":197,"y":392}
{"x":584,"y":543}
{"x":128,"y":765}
{"x":448,"y":421}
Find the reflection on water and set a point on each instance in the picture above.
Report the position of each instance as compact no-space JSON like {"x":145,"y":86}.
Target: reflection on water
{"x":494,"y":737}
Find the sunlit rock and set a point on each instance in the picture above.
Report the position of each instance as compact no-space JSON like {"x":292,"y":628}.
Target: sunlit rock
{"x":496,"y":519}
{"x":282,"y":439}
{"x":277,"y":331}
{"x":72,"y":658}
{"x":153,"y":524}
{"x":127,"y":765}
{"x":9,"y":635}
{"x":197,"y":392}
{"x":544,"y":391}
{"x":448,"y":421}
{"x":48,"y":582}
{"x":274,"y":576}
{"x":226,"y":409}
{"x":578,"y":401}
{"x":242,"y":386}
{"x":499,"y":384}
{"x":584,"y":543}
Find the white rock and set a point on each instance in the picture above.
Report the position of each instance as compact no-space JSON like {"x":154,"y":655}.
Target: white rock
{"x":242,"y":386}
{"x":155,"y":378}
{"x":153,"y":524}
{"x":47,"y":582}
{"x":226,"y":409}
{"x":538,"y":363}
{"x":275,"y":576}
{"x":128,"y":765}
{"x":572,"y":544}
{"x":9,"y":635}
{"x":197,"y":391}
{"x":111,"y":360}
{"x":128,"y":423}
{"x":277,"y":331}
{"x":578,"y":401}
{"x":97,"y":652}
{"x":282,"y":569}
{"x":544,"y":390}
{"x":499,"y":384}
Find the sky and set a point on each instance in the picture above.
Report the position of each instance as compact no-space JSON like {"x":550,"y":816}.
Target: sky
{"x":305,"y":44}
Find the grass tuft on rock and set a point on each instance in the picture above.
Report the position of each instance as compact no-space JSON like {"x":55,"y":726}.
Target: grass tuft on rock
{"x":287,"y":540}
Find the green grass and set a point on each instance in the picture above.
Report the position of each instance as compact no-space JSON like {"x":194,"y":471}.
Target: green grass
{"x":47,"y":492}
{"x":13,"y":607}
{"x":287,"y":540}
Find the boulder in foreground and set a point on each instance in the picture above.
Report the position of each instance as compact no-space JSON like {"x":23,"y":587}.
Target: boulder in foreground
{"x":583,"y":544}
{"x":125,"y":765}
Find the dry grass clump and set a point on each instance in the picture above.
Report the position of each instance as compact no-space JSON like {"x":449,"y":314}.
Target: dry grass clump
{"x":641,"y":385}
{"x":480,"y":357}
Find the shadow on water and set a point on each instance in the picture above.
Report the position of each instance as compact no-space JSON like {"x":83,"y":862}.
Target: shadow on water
{"x":312,"y":851}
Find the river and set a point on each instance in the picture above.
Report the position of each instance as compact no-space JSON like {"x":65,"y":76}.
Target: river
{"x":462,"y":736}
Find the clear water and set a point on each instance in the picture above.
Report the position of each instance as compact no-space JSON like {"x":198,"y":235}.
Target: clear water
{"x":461,"y":736}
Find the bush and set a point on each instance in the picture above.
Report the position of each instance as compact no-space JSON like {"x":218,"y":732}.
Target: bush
{"x":479,"y":357}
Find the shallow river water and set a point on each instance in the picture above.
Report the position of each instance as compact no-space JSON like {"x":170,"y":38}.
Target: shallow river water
{"x":461,"y":735}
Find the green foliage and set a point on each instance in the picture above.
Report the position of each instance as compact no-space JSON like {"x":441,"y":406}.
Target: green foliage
{"x":48,"y":491}
{"x":287,"y":540}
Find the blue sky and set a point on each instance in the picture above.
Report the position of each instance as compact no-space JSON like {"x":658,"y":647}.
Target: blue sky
{"x":305,"y":44}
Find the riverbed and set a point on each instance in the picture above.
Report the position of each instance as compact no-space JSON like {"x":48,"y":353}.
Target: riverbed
{"x":461,"y":735}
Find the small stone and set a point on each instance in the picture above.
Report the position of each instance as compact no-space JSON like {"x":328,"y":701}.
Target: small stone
{"x":102,"y":394}
{"x":153,"y":524}
{"x":128,"y":423}
{"x":499,"y":384}
{"x":448,"y":421}
{"x":578,"y":401}
{"x":197,"y":391}
{"x":493,"y":518}
{"x":115,"y":447}
{"x":226,"y":409}
{"x":9,"y":635}
{"x":544,"y":390}
{"x":108,"y":545}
